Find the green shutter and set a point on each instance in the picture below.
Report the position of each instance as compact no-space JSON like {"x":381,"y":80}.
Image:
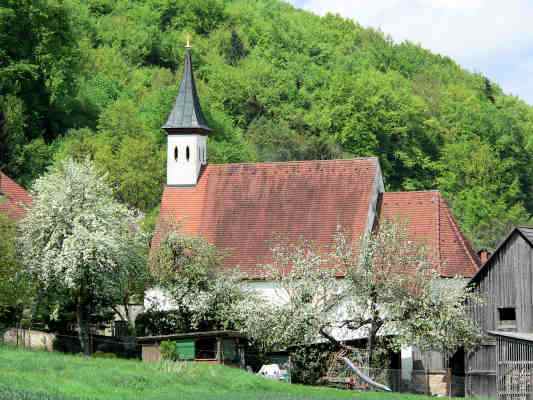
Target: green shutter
{"x":230,"y":350}
{"x":186,"y":349}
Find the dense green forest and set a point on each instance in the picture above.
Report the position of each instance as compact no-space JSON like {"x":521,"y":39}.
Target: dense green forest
{"x":98,"y":77}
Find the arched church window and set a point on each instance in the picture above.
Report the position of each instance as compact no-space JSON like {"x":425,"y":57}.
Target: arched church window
{"x":187,"y":153}
{"x":176,"y":153}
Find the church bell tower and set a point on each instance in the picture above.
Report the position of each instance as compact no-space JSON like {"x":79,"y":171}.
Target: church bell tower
{"x":187,"y":132}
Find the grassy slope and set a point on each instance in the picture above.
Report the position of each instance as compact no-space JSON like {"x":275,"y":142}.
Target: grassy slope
{"x":65,"y":377}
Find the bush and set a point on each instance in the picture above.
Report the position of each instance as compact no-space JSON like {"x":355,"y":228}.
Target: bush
{"x":310,"y":363}
{"x":169,"y":351}
{"x":154,"y":323}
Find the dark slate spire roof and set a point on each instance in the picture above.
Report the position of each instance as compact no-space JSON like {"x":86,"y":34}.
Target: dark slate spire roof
{"x":186,"y":115}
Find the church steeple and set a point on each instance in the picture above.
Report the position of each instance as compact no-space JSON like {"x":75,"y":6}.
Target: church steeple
{"x":187,"y":132}
{"x":187,"y":115}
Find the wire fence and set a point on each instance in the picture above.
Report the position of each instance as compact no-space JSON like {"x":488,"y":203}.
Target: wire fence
{"x":432,"y":383}
{"x":339,"y":375}
{"x":126,"y":347}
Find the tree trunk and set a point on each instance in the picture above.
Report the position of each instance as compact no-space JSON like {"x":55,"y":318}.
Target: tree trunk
{"x":375,"y":325}
{"x":83,"y":325}
{"x":131,"y":323}
{"x":371,"y":343}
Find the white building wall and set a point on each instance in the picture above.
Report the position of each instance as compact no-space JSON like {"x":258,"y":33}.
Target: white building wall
{"x":269,"y":291}
{"x":183,"y":171}
{"x":407,"y":363}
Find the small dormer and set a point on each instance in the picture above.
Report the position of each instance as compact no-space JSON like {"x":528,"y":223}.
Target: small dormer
{"x":187,"y":132}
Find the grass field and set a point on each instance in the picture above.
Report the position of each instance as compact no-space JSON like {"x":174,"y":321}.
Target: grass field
{"x":26,"y":375}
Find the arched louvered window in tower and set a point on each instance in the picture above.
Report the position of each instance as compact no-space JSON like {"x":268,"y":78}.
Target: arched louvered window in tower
{"x":187,"y":153}
{"x":176,"y":153}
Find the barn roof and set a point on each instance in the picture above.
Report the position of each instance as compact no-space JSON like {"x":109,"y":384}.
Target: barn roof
{"x":525,"y":231}
{"x":430,"y":222}
{"x":186,"y":115}
{"x":13,"y":198}
{"x":243,"y":208}
{"x":528,"y":337}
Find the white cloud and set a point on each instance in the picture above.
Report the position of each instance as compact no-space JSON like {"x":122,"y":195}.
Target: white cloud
{"x":479,"y":34}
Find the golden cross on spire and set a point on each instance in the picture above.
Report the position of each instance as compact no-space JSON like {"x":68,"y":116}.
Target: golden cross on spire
{"x":188,"y":45}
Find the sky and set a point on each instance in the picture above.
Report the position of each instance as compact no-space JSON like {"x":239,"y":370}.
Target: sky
{"x":492,"y":37}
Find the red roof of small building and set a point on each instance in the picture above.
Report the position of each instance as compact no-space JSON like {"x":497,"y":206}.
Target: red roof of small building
{"x":243,"y":208}
{"x":13,"y":198}
{"x":430,"y":222}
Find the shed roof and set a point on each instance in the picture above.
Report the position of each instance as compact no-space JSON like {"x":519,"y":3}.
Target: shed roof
{"x":430,"y":222}
{"x":186,"y":115}
{"x":525,"y":231}
{"x":13,"y":198}
{"x":191,"y":335}
{"x":513,"y":335}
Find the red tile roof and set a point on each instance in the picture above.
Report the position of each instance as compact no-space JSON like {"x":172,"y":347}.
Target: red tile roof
{"x":244,"y":207}
{"x":430,"y":221}
{"x":13,"y":198}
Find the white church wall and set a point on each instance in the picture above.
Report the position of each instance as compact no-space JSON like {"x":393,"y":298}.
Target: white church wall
{"x":185,"y":156}
{"x":270,"y":291}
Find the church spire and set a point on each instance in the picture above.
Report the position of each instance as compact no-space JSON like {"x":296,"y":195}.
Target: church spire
{"x":187,"y":132}
{"x":186,"y":115}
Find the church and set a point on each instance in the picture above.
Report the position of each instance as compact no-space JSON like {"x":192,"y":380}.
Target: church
{"x":242,"y":208}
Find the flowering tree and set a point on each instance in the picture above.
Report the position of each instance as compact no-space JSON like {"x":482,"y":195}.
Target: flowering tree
{"x":15,"y":287}
{"x":189,"y":270}
{"x":308,"y":295}
{"x":389,"y":287}
{"x":76,"y":237}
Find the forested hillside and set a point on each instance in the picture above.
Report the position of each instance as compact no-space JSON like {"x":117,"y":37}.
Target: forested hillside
{"x":97,"y":78}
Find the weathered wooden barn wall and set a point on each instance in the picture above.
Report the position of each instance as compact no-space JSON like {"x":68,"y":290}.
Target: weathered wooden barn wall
{"x":505,"y":282}
{"x":514,"y":370}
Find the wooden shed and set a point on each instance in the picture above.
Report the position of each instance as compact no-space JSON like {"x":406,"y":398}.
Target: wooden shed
{"x":505,"y":284}
{"x":514,"y":365}
{"x":217,"y":347}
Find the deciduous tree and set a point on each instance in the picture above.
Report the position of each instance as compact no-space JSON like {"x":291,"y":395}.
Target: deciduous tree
{"x":15,"y":285}
{"x":189,"y":270}
{"x":77,"y":237}
{"x":389,"y":289}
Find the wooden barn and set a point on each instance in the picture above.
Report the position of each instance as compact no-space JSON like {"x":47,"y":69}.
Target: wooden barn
{"x":502,"y":365}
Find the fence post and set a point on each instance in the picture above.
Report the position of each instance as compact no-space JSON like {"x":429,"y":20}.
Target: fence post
{"x":450,"y":377}
{"x":428,"y":390}
{"x":290,"y":370}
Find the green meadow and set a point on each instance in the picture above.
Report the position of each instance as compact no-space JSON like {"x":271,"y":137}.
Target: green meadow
{"x":33,"y":375}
